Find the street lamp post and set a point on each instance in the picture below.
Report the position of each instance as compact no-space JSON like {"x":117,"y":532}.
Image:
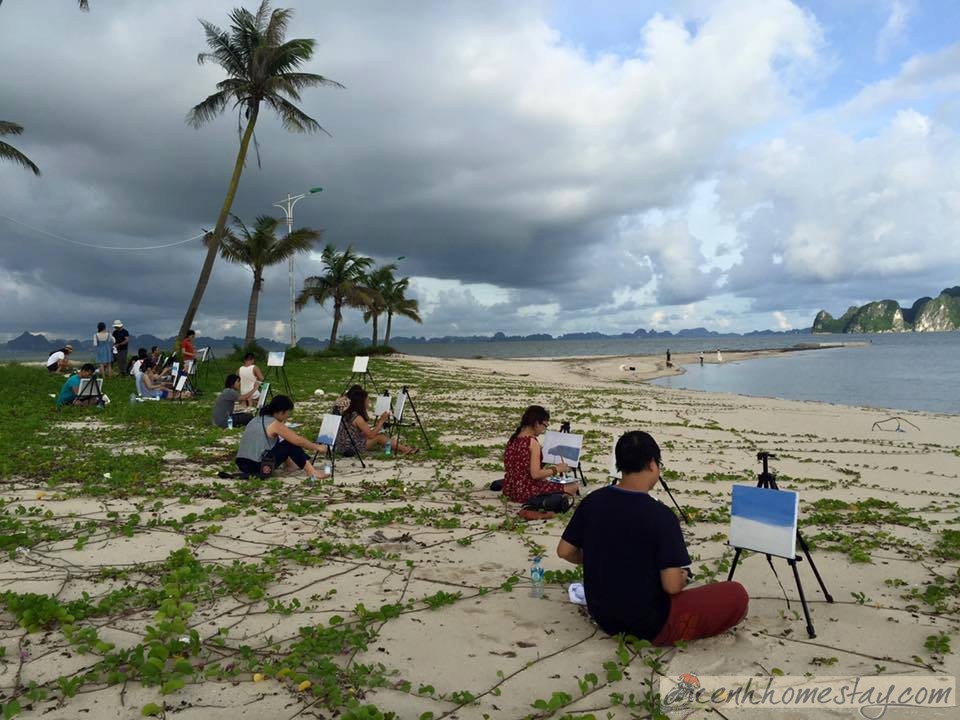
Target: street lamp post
{"x":287,"y":206}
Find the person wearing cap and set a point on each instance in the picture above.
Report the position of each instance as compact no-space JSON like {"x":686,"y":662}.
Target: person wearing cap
{"x":58,"y":360}
{"x":122,"y":342}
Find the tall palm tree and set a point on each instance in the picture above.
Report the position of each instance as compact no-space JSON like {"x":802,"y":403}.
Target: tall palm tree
{"x":381,"y":280}
{"x":261,"y":68}
{"x":396,"y":302}
{"x":258,"y":250}
{"x":344,"y":282}
{"x":9,"y":152}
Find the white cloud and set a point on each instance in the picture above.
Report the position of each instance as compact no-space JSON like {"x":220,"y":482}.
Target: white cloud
{"x":893,"y":29}
{"x":781,"y":320}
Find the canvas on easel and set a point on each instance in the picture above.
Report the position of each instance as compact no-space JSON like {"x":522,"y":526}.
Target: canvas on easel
{"x":90,"y":389}
{"x":360,"y":373}
{"x":764,"y":520}
{"x":612,"y":471}
{"x":561,"y":447}
{"x":276,"y":370}
{"x":329,"y":429}
{"x":398,"y":404}
{"x":264,"y":389}
{"x":381,"y":405}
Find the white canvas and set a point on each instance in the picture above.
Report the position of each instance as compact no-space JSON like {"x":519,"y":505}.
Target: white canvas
{"x":181,"y":383}
{"x":275,"y":359}
{"x":90,"y":387}
{"x":329,"y":429}
{"x":189,"y":366}
{"x":175,"y":369}
{"x":561,"y":447}
{"x":382,"y":405}
{"x":264,"y":388}
{"x":360,"y":363}
{"x":398,"y":403}
{"x":202,"y":354}
{"x":764,"y":520}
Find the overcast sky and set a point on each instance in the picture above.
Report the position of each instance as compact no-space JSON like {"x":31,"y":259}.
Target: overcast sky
{"x":542,"y":166}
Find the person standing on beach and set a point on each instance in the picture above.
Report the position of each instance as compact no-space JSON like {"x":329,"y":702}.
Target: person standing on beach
{"x":635,"y":560}
{"x":719,"y":356}
{"x":103,"y":343}
{"x":668,"y":358}
{"x":121,"y":339}
{"x":701,"y":358}
{"x":187,"y":349}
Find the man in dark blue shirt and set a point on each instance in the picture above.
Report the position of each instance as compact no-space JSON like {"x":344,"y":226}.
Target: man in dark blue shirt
{"x":634,"y":558}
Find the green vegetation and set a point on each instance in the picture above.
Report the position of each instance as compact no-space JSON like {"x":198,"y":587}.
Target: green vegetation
{"x":941,"y":313}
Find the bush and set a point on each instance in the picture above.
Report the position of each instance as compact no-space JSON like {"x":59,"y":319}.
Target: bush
{"x":239,"y":352}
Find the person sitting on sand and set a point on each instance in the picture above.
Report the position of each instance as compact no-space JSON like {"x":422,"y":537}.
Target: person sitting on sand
{"x":356,"y":431}
{"x":525,"y":476}
{"x":634,"y":558}
{"x":70,"y":389}
{"x":269,"y":432}
{"x":225,"y":402}
{"x":250,"y":379}
{"x":59,"y":359}
{"x":137,"y":362}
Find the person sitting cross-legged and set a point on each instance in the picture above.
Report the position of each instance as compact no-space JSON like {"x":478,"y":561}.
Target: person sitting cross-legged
{"x":71,"y":388}
{"x":357,"y":434}
{"x":634,"y":558}
{"x":270,"y":432}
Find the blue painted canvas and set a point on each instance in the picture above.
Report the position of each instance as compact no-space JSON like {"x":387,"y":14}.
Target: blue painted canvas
{"x":329,"y":429}
{"x":764,"y":520}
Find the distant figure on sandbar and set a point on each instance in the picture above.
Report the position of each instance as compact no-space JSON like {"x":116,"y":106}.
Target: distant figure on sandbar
{"x":719,"y":356}
{"x":701,"y":358}
{"x":669,"y":364}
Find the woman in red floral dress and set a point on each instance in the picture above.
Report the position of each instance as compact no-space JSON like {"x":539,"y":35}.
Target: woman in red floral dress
{"x":524,"y":474}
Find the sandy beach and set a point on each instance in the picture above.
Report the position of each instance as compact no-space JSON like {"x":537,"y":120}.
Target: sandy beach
{"x":426,"y":539}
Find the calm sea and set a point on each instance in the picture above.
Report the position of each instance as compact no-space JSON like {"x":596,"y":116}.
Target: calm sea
{"x":907,"y":371}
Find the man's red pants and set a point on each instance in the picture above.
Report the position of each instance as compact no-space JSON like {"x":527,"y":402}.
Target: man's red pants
{"x":703,"y":612}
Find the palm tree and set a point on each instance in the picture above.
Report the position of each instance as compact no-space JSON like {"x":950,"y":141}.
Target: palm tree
{"x":343,"y":282}
{"x":396,"y":302}
{"x":9,"y":152}
{"x":381,"y":280}
{"x":258,"y":250}
{"x":261,"y":67}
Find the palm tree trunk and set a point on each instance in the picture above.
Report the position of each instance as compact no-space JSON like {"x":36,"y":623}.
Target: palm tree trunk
{"x":214,"y":247}
{"x":386,"y":336}
{"x":376,"y":319}
{"x":252,"y":309}
{"x":336,"y":325}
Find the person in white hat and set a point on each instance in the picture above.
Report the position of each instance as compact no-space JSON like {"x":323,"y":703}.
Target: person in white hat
{"x":122,"y":343}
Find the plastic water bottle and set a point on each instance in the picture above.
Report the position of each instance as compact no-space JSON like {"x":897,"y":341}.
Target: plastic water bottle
{"x":536,"y":577}
{"x":388,"y":448}
{"x":327,"y":469}
{"x":133,"y":398}
{"x":229,"y":422}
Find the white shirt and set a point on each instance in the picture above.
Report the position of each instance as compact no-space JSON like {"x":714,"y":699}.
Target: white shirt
{"x":135,"y":368}
{"x":55,"y":358}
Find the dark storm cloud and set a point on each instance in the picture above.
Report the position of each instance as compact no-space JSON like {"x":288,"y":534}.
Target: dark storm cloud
{"x":470,"y":139}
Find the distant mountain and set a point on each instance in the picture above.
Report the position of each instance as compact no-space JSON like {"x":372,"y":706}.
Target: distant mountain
{"x":36,"y":344}
{"x":939,"y":314}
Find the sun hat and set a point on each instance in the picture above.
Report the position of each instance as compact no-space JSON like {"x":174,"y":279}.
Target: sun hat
{"x":117,"y":324}
{"x":68,"y":347}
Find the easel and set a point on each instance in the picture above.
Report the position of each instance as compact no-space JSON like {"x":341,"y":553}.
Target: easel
{"x":576,"y":472}
{"x":278,"y":371}
{"x":404,"y":396}
{"x":361,"y":371}
{"x":767,"y":480}
{"x":331,"y":453}
{"x":91,"y":388}
{"x":204,"y":356}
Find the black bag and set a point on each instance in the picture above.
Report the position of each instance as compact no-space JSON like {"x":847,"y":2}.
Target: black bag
{"x":268,"y":463}
{"x":550,"y":502}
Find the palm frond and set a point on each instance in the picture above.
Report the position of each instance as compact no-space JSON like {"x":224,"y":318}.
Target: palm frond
{"x":207,"y":110}
{"x":9,"y":152}
{"x":292,"y":117}
{"x":9,"y":128}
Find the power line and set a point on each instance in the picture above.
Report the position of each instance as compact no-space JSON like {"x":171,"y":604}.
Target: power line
{"x":99,"y":247}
